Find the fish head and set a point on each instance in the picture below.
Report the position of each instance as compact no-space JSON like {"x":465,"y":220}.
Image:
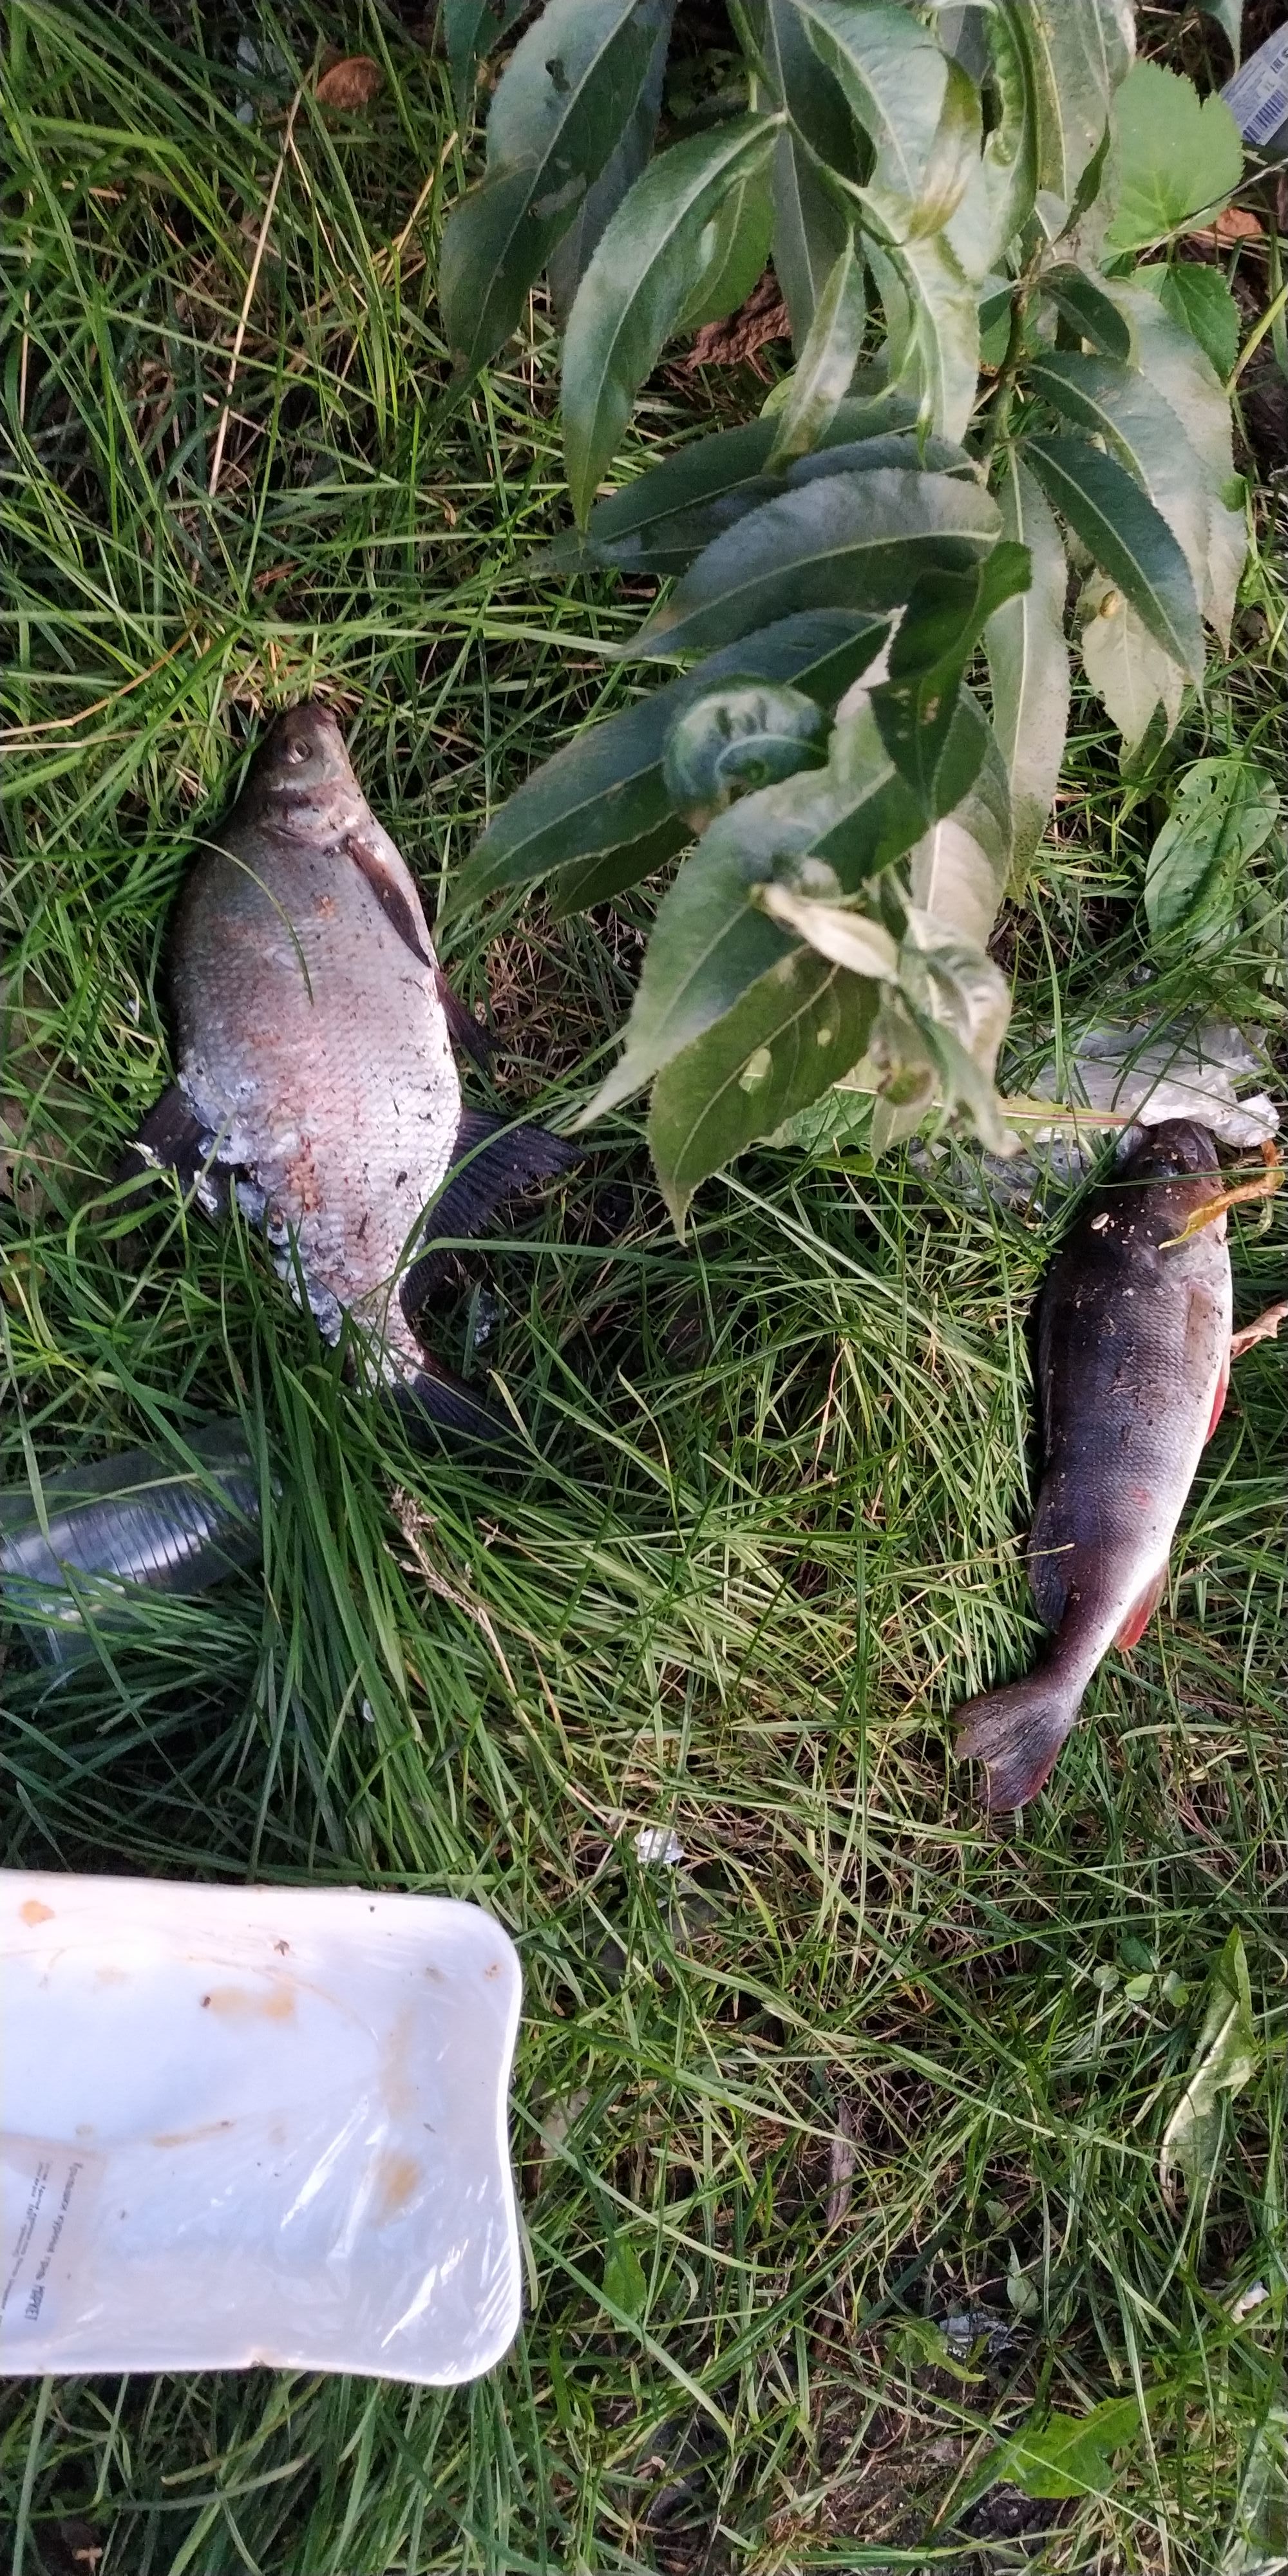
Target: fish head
{"x":300,"y":781}
{"x":1176,"y":1149}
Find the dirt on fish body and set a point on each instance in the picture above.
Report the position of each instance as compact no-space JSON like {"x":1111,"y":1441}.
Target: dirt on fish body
{"x":1133,"y":1362}
{"x":315,"y":1070}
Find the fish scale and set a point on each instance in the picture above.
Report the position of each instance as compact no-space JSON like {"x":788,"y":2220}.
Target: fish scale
{"x":1133,"y":1356}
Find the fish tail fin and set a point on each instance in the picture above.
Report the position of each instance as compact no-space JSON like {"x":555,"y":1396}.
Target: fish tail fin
{"x":1017,"y":1733}
{"x":430,"y":1394}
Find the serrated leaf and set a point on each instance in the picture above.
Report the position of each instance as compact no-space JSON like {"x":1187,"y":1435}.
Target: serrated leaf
{"x":1176,"y":158}
{"x":1084,"y":304}
{"x":567,"y":91}
{"x":661,"y":520}
{"x":571,"y":255}
{"x":1226,"y":2057}
{"x":1028,"y":664}
{"x":731,"y":252}
{"x":1129,"y":671}
{"x":1062,"y":2457}
{"x":1179,"y":371}
{"x":915,"y":705}
{"x":810,"y":227}
{"x":826,"y":364}
{"x":932,"y":313}
{"x":637,"y":285}
{"x":1224,"y":812}
{"x":606,"y":789}
{"x":734,"y":740}
{"x":1073,"y":60}
{"x":1127,"y":537}
{"x":1120,"y":405}
{"x":858,"y":538}
{"x":1197,"y":298}
{"x":789,"y":1038}
{"x":999,"y":194}
{"x":894,"y":76}
{"x":469,"y":30}
{"x":625,"y":2287}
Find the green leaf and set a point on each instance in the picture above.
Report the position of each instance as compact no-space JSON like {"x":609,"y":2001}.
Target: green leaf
{"x":731,"y":253}
{"x":960,"y":1004}
{"x":1198,"y":298}
{"x":1129,"y":671}
{"x":1178,"y":370}
{"x":565,"y":95}
{"x":1226,"y":2057}
{"x":1176,"y":159}
{"x":894,"y":76}
{"x":940,"y":628}
{"x":998,"y":198}
{"x":1229,"y":18}
{"x":637,"y":285}
{"x":932,"y":313}
{"x":1224,"y":813}
{"x":1121,"y":406}
{"x":1062,"y":2457}
{"x":1071,"y":60}
{"x":1028,"y":664}
{"x":469,"y":30}
{"x":661,"y":520}
{"x":1258,"y":2540}
{"x":826,"y":364}
{"x":571,"y":255}
{"x":810,"y":227}
{"x":1086,"y":307}
{"x":737,"y":739}
{"x":606,"y":790}
{"x":958,"y":869}
{"x":861,"y":539}
{"x":586,"y":882}
{"x":789,"y":1038}
{"x":1126,"y":536}
{"x":838,"y":931}
{"x":625,"y":2287}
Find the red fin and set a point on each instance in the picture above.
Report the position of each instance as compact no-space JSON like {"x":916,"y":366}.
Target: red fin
{"x":1218,"y":1401}
{"x":1142,"y":1611}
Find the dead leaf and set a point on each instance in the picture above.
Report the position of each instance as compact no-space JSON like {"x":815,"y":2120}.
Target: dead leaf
{"x":1235,"y":223}
{"x":1265,"y":1328}
{"x":350,"y":82}
{"x":1226,"y":2057}
{"x":724,"y":344}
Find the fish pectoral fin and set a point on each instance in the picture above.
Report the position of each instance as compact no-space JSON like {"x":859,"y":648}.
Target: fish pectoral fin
{"x":393,"y":885}
{"x":172,"y":1139}
{"x":462,"y":1026}
{"x":491,"y":1161}
{"x":1142,"y":1611}
{"x":1222,"y":1390}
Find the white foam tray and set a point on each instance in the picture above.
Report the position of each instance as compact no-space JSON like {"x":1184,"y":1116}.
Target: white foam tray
{"x":253,"y":2125}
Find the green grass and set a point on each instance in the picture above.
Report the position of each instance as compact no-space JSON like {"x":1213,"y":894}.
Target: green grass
{"x":769,"y":1532}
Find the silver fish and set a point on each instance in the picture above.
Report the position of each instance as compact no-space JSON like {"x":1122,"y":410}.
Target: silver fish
{"x":316,"y":1076}
{"x":1133,"y":1364}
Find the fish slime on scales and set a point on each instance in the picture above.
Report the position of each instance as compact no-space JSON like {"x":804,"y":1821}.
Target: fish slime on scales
{"x":1133,"y":1363}
{"x":316,"y":1076}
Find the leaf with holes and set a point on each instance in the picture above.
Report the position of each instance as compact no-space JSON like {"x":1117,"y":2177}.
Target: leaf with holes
{"x":637,"y":286}
{"x":1131,"y":674}
{"x":790,"y":1038}
{"x":1127,"y":537}
{"x":562,"y":101}
{"x":860,"y":539}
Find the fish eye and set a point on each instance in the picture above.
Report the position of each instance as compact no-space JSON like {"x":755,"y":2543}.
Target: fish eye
{"x":297,"y":747}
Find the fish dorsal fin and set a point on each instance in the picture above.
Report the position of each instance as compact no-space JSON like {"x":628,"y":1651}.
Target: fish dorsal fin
{"x":392,"y":884}
{"x":1142,"y":1611}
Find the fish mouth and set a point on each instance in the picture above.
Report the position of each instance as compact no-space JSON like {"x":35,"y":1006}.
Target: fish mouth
{"x":1175,"y":1147}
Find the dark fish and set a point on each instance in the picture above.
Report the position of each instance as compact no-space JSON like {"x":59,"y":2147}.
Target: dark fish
{"x":316,"y":1076}
{"x":124,"y":1525}
{"x":1133,"y":1363}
